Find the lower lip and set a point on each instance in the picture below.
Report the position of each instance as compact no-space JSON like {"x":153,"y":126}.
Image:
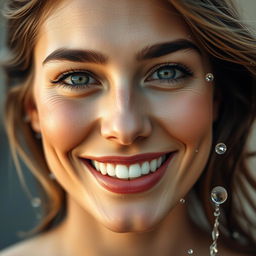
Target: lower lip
{"x":137,"y":185}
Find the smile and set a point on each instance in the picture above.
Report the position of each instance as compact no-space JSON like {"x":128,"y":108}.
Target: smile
{"x":132,"y":171}
{"x":125,"y":175}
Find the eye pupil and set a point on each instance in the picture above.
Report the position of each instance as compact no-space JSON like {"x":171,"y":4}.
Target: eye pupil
{"x":166,"y":73}
{"x":79,"y":79}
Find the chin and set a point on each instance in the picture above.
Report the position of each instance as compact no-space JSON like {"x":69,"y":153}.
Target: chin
{"x":132,"y":225}
{"x":127,"y":228}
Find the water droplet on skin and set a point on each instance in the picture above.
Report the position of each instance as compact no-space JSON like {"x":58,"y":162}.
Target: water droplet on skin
{"x":209,"y":77}
{"x":190,"y":251}
{"x":182,"y":201}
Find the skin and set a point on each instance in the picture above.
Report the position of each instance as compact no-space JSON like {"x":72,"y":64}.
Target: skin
{"x":140,"y":117}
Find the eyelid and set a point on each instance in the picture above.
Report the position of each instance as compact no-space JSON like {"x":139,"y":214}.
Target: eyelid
{"x":178,"y":66}
{"x":63,"y":75}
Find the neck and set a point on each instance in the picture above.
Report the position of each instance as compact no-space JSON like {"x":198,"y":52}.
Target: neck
{"x":81,"y":234}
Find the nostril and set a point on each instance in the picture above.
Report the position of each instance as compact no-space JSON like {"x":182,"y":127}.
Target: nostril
{"x":111,"y":137}
{"x":139,"y":138}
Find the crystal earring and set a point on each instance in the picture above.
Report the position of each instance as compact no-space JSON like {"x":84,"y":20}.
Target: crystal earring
{"x":218,"y":196}
{"x":220,"y":148}
{"x":209,"y":77}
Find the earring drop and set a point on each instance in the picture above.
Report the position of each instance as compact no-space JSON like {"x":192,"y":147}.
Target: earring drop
{"x":220,"y":148}
{"x":209,"y":77}
{"x":218,"y":196}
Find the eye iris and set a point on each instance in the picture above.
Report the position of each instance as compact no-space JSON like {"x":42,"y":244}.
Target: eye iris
{"x":166,"y":73}
{"x":79,"y":79}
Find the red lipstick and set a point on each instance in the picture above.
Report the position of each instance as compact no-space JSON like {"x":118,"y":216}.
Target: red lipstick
{"x":137,"y":185}
{"x":128,"y":160}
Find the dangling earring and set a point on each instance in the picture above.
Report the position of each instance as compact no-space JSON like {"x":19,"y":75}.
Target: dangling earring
{"x":218,"y":196}
{"x":209,"y":77}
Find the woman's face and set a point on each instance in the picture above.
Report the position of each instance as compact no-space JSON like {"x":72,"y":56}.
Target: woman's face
{"x":145,"y":93}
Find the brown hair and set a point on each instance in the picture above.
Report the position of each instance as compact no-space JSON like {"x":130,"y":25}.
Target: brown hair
{"x":22,"y":27}
{"x":232,"y":52}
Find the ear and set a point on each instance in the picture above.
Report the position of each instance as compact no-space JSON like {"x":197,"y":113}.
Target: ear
{"x":32,"y":113}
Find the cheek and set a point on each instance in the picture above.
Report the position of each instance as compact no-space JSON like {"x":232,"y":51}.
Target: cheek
{"x":188,"y":117}
{"x":65,"y":123}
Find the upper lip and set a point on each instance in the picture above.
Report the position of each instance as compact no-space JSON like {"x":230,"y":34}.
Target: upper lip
{"x":127,"y":159}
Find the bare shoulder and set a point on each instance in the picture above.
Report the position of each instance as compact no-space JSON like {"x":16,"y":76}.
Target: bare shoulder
{"x":40,"y":245}
{"x":22,"y":248}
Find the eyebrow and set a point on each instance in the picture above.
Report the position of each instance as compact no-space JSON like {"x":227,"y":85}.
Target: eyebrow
{"x":148,"y":52}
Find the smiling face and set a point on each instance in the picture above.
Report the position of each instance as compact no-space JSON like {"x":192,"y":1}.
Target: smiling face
{"x":101,"y":90}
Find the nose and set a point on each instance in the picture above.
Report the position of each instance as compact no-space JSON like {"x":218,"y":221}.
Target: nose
{"x":125,"y":120}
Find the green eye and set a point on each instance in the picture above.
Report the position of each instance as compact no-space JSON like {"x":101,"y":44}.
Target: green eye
{"x":167,"y":73}
{"x":77,"y":79}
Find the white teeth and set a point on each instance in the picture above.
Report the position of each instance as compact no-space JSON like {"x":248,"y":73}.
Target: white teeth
{"x":111,"y":170}
{"x":159,"y":161}
{"x":153,"y":165}
{"x":129,"y":172}
{"x":96,"y":165}
{"x":145,"y":168}
{"x":122,"y":171}
{"x":134,"y":171}
{"x":102,"y":168}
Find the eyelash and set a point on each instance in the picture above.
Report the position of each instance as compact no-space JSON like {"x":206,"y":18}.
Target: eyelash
{"x":60,"y":79}
{"x":180,"y":67}
{"x":184,"y":69}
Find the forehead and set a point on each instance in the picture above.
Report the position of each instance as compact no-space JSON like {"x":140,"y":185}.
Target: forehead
{"x":111,"y":26}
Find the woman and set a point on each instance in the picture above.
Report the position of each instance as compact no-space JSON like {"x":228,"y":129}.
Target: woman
{"x":129,"y":99}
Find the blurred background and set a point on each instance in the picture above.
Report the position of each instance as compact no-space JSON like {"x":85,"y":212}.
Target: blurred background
{"x":16,"y":212}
